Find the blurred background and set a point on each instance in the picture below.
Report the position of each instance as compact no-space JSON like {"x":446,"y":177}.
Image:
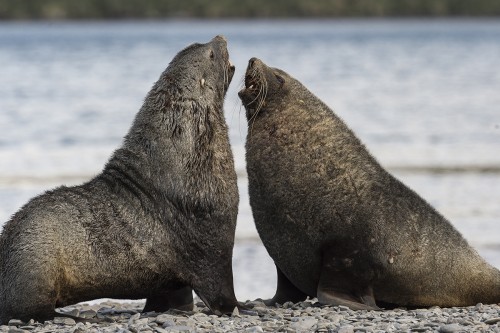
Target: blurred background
{"x":418,"y":81}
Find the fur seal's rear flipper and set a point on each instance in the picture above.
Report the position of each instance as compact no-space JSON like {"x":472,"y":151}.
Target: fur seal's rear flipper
{"x":181,"y":299}
{"x":285,"y":291}
{"x":332,"y":297}
{"x":355,"y":301}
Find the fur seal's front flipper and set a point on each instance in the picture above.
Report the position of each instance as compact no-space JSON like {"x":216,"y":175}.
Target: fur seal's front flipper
{"x":285,"y":291}
{"x":180,"y":299}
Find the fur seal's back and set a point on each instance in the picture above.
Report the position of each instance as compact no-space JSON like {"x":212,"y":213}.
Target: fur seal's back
{"x":159,"y":220}
{"x":337,"y":225}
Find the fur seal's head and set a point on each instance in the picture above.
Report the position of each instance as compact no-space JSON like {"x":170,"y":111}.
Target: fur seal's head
{"x":192,"y":87}
{"x":265,"y":87}
{"x":199,"y":71}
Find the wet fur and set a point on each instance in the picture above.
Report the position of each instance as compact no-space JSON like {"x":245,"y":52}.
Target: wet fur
{"x":335,"y":222}
{"x":158,"y":221}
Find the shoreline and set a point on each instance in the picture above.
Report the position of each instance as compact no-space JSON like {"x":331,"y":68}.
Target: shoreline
{"x":307,"y":316}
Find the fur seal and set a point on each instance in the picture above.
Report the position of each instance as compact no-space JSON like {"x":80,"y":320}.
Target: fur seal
{"x":338,"y":226}
{"x":157,"y":223}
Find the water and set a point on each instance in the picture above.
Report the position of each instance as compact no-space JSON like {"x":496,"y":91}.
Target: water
{"x":420,"y":94}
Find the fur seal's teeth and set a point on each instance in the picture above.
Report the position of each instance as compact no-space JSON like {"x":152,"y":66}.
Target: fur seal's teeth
{"x":251,"y":86}
{"x":202,"y":82}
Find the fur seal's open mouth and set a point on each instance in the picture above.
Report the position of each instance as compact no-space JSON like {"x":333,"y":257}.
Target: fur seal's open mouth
{"x":253,"y":81}
{"x":253,"y":77}
{"x":254,"y":93}
{"x":250,"y":81}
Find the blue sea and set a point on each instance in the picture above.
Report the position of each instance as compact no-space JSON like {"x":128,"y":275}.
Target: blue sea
{"x":423,"y":95}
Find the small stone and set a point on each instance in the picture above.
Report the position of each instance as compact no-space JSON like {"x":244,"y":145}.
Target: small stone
{"x":186,"y":322}
{"x":64,"y":321}
{"x":168,"y":323}
{"x":304,"y":324}
{"x":344,"y":308}
{"x":87,"y":314}
{"x":256,"y":303}
{"x":492,"y":321}
{"x":124,"y":317}
{"x":72,"y":312}
{"x":161,"y":330}
{"x":134,"y":318}
{"x":333,"y":317}
{"x":17,"y":330}
{"x":254,"y":329}
{"x":15,"y":322}
{"x":236,"y":312}
{"x":201,"y":318}
{"x":305,"y":304}
{"x":179,"y":328}
{"x":346,"y":329}
{"x":245,"y":312}
{"x":142,"y":321}
{"x":78,"y":328}
{"x":450,"y":328}
{"x":163,"y":318}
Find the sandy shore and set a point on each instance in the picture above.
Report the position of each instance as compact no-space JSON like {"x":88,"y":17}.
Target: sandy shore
{"x":306,"y":316}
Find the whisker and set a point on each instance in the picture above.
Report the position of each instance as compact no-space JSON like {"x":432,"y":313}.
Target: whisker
{"x":261,"y":97}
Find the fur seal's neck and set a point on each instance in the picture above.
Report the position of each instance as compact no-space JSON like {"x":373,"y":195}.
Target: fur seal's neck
{"x":164,"y":153}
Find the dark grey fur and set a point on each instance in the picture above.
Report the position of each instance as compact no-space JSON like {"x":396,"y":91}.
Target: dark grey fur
{"x":159,"y":220}
{"x":337,"y":225}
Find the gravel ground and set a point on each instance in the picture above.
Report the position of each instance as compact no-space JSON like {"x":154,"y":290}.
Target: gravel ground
{"x":306,"y":316}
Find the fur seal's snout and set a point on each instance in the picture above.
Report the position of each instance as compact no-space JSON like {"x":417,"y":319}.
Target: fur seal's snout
{"x":219,"y":49}
{"x":254,"y":92}
{"x":252,"y":75}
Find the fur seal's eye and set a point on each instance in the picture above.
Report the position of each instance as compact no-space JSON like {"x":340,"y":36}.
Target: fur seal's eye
{"x":212,"y":54}
{"x":280,"y":80}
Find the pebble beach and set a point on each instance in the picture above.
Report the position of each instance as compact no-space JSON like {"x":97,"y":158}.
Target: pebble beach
{"x":307,"y":316}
